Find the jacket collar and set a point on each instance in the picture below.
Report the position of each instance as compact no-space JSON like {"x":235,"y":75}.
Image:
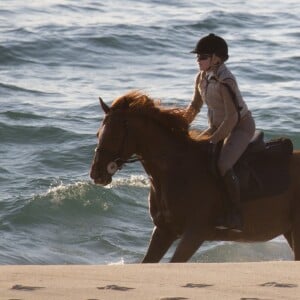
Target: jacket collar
{"x":216,"y":72}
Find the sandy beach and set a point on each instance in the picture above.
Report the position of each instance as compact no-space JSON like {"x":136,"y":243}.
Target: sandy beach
{"x":243,"y":281}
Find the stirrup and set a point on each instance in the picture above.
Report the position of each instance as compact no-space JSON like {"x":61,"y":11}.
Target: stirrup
{"x":231,"y":222}
{"x":236,"y":222}
{"x":222,"y":223}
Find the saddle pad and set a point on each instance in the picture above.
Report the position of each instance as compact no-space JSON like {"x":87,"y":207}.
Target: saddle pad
{"x":266,"y":173}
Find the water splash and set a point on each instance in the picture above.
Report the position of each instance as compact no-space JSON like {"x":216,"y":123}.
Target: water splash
{"x":133,"y":181}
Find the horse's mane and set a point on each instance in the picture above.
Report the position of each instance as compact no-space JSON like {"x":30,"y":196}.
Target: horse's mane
{"x":171,"y":118}
{"x":138,"y":102}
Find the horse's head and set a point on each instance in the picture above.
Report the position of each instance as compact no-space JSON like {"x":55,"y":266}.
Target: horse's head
{"x":132,"y":125}
{"x":113,"y":149}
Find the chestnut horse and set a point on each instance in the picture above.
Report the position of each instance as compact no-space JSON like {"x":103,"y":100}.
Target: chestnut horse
{"x":185,"y":199}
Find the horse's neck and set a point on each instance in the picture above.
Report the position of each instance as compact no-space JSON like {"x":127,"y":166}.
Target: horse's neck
{"x":158,"y":148}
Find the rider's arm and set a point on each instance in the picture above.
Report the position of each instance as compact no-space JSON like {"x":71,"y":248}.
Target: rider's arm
{"x":195,"y":106}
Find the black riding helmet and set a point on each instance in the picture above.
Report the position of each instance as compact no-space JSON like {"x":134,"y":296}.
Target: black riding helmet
{"x":212,"y":44}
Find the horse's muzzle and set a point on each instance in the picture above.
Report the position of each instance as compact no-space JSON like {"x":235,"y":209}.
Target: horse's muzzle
{"x":103,"y":182}
{"x":100,"y":178}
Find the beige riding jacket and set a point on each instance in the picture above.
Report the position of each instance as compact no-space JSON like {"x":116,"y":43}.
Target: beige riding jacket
{"x":222,"y":112}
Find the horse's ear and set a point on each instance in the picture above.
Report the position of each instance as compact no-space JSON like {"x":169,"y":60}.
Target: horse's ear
{"x":104,"y":106}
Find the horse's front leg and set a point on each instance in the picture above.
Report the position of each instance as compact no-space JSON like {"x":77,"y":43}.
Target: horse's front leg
{"x":160,"y":242}
{"x":190,"y":241}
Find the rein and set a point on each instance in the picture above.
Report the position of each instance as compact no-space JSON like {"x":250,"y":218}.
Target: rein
{"x":120,"y":161}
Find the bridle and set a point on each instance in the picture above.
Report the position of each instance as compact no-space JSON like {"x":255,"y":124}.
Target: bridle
{"x":117,"y":161}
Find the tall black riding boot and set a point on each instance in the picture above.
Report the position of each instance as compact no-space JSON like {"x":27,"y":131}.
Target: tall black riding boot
{"x":232,"y":185}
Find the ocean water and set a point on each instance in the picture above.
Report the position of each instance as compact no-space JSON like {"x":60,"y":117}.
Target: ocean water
{"x":57,"y":57}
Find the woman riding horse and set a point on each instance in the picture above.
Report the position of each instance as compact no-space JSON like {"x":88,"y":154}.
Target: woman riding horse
{"x":228,"y":115}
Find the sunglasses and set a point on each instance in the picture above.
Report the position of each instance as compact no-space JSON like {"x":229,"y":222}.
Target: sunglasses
{"x":203,"y":56}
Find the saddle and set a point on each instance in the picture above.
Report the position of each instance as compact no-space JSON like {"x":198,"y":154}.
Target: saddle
{"x":263,"y":169}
